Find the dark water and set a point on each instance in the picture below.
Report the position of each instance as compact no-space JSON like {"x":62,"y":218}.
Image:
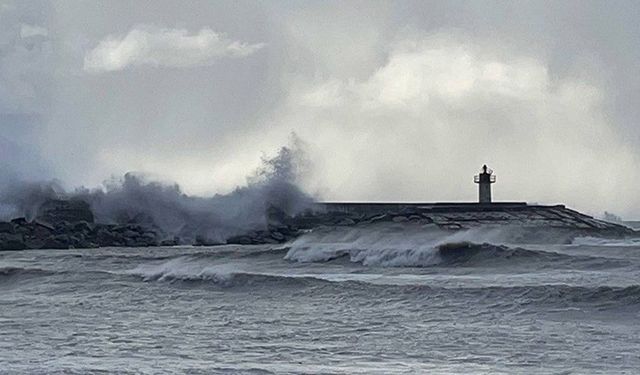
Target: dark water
{"x":333,"y":302}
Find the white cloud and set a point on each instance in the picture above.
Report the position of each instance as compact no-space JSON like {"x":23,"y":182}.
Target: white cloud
{"x":421,"y":124}
{"x":153,"y":46}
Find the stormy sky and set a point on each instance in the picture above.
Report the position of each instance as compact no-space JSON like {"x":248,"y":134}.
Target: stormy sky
{"x":392,"y":100}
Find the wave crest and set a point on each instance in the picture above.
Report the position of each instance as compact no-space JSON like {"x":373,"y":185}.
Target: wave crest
{"x":390,"y":247}
{"x":606,"y":242}
{"x":14,"y":271}
{"x":187,"y":269}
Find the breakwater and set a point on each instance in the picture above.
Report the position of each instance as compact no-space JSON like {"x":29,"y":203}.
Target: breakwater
{"x":63,"y":224}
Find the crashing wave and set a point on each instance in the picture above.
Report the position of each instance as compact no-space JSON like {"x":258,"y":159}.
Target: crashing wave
{"x":607,"y":242}
{"x":447,"y":254}
{"x":389,"y":247}
{"x":188,"y":269}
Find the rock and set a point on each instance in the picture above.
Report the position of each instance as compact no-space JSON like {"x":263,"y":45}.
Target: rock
{"x":40,"y":230}
{"x":145,"y":240}
{"x":56,"y":210}
{"x":130,"y":242}
{"x":120,"y":228}
{"x":34,"y":243}
{"x":452,"y":226}
{"x":277,"y":236}
{"x":82,"y":226}
{"x":12,"y":242}
{"x":203,"y":241}
{"x":57,"y":242}
{"x":140,"y":219}
{"x":105,"y":237}
{"x":136,"y":228}
{"x":87,"y":245}
{"x":408,"y":212}
{"x":265,"y":240}
{"x":378,"y":218}
{"x":285,"y":230}
{"x":149,"y":236}
{"x":239,"y":240}
{"x":130,"y":234}
{"x":62,"y":227}
{"x":170,"y":242}
{"x":19,"y":221}
{"x":346,"y":222}
{"x":7,"y":227}
{"x":400,"y":219}
{"x":76,"y":241}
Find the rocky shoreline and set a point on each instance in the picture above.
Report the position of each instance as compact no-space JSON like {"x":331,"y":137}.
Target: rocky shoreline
{"x":62,"y":224}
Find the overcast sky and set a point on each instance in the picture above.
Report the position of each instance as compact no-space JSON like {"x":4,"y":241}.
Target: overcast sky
{"x":394,"y":100}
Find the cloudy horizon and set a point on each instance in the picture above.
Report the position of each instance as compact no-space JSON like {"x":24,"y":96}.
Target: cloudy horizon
{"x":392,"y":102}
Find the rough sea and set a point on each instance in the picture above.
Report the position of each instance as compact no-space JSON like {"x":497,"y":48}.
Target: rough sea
{"x":335,"y":301}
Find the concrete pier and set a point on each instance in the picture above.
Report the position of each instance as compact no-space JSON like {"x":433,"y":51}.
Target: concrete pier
{"x":461,"y":215}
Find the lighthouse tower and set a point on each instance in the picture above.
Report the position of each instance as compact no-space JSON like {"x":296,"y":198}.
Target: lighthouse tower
{"x":484,"y":181}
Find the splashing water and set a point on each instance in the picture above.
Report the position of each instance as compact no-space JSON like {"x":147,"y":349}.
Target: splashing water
{"x":135,"y":199}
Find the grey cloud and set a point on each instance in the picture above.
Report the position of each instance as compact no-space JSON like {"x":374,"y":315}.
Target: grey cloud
{"x":440,"y":105}
{"x":398,"y":101}
{"x":28,"y":31}
{"x":25,"y":85}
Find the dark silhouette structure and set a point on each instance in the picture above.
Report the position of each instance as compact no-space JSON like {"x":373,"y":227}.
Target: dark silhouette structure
{"x":484,"y":181}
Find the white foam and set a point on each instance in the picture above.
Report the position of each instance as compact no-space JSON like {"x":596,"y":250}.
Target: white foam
{"x":185,"y":268}
{"x":385,"y":245}
{"x":594,"y":241}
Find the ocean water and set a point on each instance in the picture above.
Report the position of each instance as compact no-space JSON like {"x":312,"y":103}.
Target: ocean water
{"x":336,"y":301}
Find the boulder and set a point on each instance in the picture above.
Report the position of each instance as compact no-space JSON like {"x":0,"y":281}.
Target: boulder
{"x":285,"y":230}
{"x":277,"y":236}
{"x":104,"y":237}
{"x":131,"y":242}
{"x":170,"y":242}
{"x":204,"y":241}
{"x":34,"y":242}
{"x":130,"y":234}
{"x":62,"y":227}
{"x":149,"y":237}
{"x":239,"y":240}
{"x":265,"y":240}
{"x":82,"y":227}
{"x":40,"y":230}
{"x":86,"y":245}
{"x":378,"y":218}
{"x":12,"y":242}
{"x":20,"y":221}
{"x":346,"y":222}
{"x":77,"y":241}
{"x":7,"y":227}
{"x":60,"y":241}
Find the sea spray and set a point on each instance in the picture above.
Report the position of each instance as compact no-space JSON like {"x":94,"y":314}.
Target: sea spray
{"x":136,"y":199}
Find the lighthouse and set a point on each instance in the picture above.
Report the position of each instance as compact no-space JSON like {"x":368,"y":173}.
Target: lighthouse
{"x":484,"y":181}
